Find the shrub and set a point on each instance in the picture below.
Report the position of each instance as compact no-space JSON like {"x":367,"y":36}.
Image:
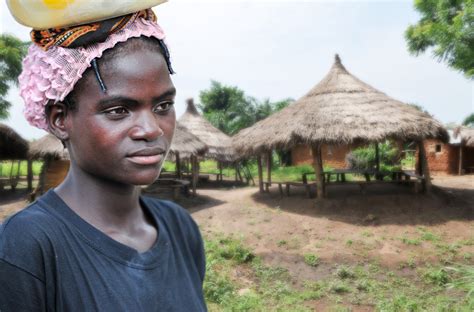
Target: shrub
{"x":311,"y":259}
{"x":363,"y":158}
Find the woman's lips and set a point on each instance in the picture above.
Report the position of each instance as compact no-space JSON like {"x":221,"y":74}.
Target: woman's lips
{"x":145,"y":160}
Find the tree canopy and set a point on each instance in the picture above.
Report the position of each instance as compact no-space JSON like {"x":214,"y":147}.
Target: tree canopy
{"x":469,"y":121}
{"x":446,"y":26}
{"x":230,"y":110}
{"x":12,"y":51}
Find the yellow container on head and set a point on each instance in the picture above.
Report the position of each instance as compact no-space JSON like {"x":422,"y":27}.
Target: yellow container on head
{"x":42,"y":14}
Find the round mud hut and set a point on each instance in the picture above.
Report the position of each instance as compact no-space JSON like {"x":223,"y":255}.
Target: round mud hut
{"x":55,"y":162}
{"x":339,"y":110}
{"x":466,"y":149}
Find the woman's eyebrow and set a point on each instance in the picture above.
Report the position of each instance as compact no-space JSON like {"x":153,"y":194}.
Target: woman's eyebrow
{"x":116,"y":100}
{"x":168,"y":93}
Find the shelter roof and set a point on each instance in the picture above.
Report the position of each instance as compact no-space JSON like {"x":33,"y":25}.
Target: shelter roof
{"x":340,"y":109}
{"x":219,"y":144}
{"x":12,"y":145}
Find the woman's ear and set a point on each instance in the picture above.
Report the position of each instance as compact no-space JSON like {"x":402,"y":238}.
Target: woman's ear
{"x":57,"y":118}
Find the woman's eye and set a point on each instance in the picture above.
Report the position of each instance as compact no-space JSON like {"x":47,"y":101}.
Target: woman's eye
{"x":163,"y":107}
{"x":116,"y":111}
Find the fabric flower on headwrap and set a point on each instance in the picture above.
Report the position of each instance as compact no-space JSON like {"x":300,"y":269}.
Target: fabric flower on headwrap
{"x":60,"y":56}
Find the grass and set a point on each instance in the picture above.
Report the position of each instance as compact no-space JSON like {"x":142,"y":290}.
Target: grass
{"x":7,"y":166}
{"x":268,"y":288}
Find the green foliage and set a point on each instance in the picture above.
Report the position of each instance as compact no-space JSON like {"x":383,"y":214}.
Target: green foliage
{"x":469,"y":121}
{"x":12,"y":51}
{"x":230,"y":110}
{"x":311,"y":259}
{"x":363,"y":158}
{"x":6,"y":167}
{"x":436,"y":276}
{"x":463,"y":280}
{"x":446,"y":27}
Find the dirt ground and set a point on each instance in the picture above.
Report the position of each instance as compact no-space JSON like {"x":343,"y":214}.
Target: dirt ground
{"x":347,"y":228}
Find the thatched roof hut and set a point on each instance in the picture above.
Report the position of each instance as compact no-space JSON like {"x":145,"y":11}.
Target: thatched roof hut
{"x":341,"y":109}
{"x":48,"y":147}
{"x":218,"y":143}
{"x":466,"y":135}
{"x":12,"y":145}
{"x":186,"y":144}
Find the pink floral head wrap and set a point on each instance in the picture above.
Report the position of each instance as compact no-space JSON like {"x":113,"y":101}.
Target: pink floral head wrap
{"x":51,"y":75}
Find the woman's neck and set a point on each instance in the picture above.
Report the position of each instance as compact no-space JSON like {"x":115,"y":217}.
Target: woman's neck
{"x":105,"y":204}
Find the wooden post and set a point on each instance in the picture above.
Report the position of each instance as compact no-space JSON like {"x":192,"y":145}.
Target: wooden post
{"x":195,"y":173}
{"x":260,"y":173}
{"x":30,"y":174}
{"x":269,"y":167}
{"x":377,"y":157}
{"x":460,"y":160}
{"x":318,"y":169}
{"x":178,"y":166}
{"x":424,"y":166}
{"x":219,"y":178}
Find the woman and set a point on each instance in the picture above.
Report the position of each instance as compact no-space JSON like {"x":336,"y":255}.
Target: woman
{"x":93,"y":243}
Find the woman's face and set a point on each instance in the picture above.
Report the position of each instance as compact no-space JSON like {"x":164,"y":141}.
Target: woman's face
{"x":123,"y":135}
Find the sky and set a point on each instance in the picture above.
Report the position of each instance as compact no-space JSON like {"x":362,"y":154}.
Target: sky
{"x":279,"y":49}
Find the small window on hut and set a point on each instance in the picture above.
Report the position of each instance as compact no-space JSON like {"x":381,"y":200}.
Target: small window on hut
{"x":438,"y":148}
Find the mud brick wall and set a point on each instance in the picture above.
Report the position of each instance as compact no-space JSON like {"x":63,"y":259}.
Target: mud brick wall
{"x":442,"y":158}
{"x":333,"y":155}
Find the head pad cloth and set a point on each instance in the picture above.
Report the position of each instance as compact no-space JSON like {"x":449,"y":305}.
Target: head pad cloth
{"x":59,"y":58}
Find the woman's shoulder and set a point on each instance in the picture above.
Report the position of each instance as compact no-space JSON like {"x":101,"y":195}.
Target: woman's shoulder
{"x":172,"y":214}
{"x":24,"y":238}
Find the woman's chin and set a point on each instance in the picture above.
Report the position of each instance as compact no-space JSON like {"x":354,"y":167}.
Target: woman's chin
{"x":146,"y":179}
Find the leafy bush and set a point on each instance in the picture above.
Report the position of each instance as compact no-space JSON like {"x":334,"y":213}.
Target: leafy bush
{"x":311,"y":259}
{"x":363,"y":158}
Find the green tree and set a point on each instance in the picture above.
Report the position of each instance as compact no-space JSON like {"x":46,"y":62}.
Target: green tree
{"x":227,"y":107}
{"x":12,"y":51}
{"x":230,"y":110}
{"x":469,"y":121}
{"x":446,"y":26}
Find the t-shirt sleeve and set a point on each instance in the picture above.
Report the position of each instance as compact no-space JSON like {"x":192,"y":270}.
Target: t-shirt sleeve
{"x":19,"y":290}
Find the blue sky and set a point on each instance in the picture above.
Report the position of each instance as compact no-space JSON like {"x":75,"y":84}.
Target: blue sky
{"x":280,"y":49}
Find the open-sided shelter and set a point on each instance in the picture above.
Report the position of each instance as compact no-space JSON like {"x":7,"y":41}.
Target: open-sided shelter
{"x":14,"y":148}
{"x":185,"y":145}
{"x":55,"y":162}
{"x":339,"y":110}
{"x":219,"y":144}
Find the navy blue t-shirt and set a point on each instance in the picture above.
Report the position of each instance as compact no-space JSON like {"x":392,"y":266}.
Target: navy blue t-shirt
{"x":53,"y":260}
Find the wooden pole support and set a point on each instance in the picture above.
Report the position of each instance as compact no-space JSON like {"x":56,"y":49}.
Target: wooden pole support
{"x":318,"y":169}
{"x":424,"y":166}
{"x":260,"y":173}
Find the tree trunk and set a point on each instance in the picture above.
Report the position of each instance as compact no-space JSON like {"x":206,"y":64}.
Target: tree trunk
{"x":460,"y":159}
{"x":424,"y":166}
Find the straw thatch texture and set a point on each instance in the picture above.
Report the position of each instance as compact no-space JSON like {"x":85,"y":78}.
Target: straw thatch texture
{"x":48,"y":147}
{"x":341,"y":109}
{"x":186,"y":144}
{"x":12,"y":145}
{"x":218,"y":143}
{"x":466,"y":134}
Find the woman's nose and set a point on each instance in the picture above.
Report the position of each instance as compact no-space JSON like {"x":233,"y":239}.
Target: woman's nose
{"x":146,"y":127}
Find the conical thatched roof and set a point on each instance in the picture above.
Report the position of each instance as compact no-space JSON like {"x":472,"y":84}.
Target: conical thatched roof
{"x":12,"y":145}
{"x":466,"y":134}
{"x":341,"y":109}
{"x":186,"y":144}
{"x":48,"y":147}
{"x":218,"y":143}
